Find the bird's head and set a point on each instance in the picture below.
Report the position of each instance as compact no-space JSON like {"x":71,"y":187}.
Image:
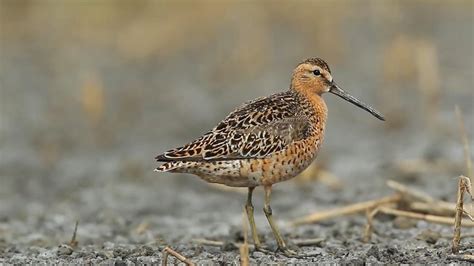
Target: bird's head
{"x":314,"y":76}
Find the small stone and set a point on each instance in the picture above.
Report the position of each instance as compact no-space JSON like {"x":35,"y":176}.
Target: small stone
{"x":257,"y":254}
{"x":429,"y":236}
{"x":145,"y":251}
{"x":106,"y":254}
{"x":391,"y":251}
{"x":120,"y":252}
{"x":64,"y":250}
{"x":373,"y":251}
{"x":404,"y":223}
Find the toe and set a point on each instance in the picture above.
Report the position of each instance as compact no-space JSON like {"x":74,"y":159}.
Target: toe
{"x":263,"y":250}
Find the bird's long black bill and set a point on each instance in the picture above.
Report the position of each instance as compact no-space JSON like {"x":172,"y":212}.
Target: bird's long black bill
{"x":344,"y":95}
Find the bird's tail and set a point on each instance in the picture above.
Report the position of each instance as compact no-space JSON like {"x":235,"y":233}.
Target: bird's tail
{"x":173,"y":165}
{"x":176,"y":167}
{"x":167,"y":166}
{"x":164,"y":168}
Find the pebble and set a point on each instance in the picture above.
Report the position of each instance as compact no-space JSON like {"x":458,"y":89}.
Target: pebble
{"x":373,"y":251}
{"x":429,"y":236}
{"x":257,"y":254}
{"x":404,"y":223}
{"x":64,"y":250}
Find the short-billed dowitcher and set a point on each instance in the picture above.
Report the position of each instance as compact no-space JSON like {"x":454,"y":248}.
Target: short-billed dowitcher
{"x":264,"y":141}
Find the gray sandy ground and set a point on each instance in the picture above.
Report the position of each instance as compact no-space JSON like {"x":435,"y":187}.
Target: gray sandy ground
{"x":177,"y":209}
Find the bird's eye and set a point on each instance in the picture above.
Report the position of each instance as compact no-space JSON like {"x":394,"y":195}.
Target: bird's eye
{"x":316,"y":72}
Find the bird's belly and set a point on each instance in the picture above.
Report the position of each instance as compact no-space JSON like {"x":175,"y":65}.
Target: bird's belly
{"x":280,"y":166}
{"x":223,"y":172}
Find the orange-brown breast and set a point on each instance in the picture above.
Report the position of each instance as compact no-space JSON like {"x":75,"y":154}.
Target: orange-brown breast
{"x":282,"y":165}
{"x":291,"y":161}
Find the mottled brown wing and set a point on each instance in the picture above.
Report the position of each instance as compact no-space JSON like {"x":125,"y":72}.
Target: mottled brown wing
{"x":254,"y":130}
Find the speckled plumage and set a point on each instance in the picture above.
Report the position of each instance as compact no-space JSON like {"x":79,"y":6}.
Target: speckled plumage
{"x":264,"y":141}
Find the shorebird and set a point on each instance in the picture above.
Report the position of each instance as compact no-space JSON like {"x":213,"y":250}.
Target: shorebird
{"x":265,"y":141}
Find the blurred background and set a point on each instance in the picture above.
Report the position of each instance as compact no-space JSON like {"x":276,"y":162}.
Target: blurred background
{"x":91,"y":91}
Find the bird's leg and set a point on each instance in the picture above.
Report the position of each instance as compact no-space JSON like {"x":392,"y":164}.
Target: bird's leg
{"x":249,"y":209}
{"x":276,"y":233}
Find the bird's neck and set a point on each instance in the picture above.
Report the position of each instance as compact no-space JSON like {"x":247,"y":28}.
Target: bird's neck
{"x":315,"y":110}
{"x":320,"y":108}
{"x":317,"y":104}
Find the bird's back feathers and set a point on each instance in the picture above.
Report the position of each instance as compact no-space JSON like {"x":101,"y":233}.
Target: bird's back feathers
{"x":256,"y":129}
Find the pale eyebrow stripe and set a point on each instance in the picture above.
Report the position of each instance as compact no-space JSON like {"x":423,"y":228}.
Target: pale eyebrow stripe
{"x":328,"y":76}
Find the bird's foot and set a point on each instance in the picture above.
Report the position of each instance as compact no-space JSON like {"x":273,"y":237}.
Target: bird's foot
{"x":263,"y":250}
{"x":293,"y":254}
{"x":288,"y":252}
